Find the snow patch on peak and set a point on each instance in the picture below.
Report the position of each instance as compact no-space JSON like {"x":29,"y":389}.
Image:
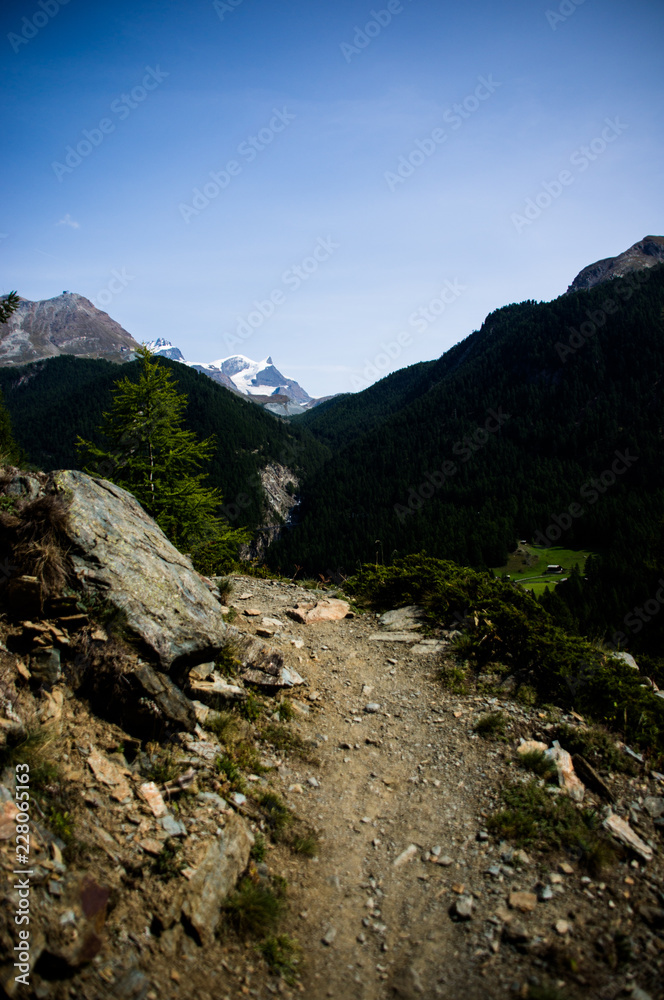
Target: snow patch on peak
{"x":165,"y":349}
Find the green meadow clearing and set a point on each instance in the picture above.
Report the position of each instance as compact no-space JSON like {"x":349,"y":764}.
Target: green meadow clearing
{"x":526,"y":566}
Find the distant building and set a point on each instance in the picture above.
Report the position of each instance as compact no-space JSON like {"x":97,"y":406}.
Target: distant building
{"x":554,"y":568}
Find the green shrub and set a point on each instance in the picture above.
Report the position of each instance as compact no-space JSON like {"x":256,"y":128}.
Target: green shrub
{"x":306,"y":844}
{"x":224,"y":725}
{"x":596,"y":745}
{"x":537,"y":762}
{"x":231,"y":772}
{"x":504,"y":624}
{"x":284,"y":739}
{"x":277,"y":814}
{"x":282,"y":955}
{"x":491,"y":724}
{"x":258,"y":848}
{"x":532,"y":815}
{"x":253,"y":908}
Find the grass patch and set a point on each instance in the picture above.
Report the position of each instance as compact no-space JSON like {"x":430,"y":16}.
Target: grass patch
{"x":228,"y":769}
{"x":455,"y":678}
{"x":538,"y":763}
{"x":169,"y":862}
{"x":491,"y":725}
{"x":596,"y":745}
{"x":161,"y":764}
{"x":62,"y":825}
{"x":306,"y":844}
{"x":251,"y":709}
{"x":30,"y":749}
{"x":227,"y":662}
{"x":258,"y":851}
{"x":282,"y":955}
{"x":285,"y":740}
{"x":224,"y":589}
{"x":533,"y":816}
{"x":253,"y":909}
{"x":286,"y":711}
{"x":277,"y":814}
{"x":223,"y":725}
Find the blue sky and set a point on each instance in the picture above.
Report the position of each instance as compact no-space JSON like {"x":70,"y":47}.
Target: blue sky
{"x":305,"y":242}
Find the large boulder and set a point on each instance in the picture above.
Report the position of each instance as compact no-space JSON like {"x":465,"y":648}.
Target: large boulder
{"x":119,"y":553}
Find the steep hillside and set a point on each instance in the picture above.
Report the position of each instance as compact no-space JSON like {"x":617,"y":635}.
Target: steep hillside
{"x":52,"y":402}
{"x":496,"y":439}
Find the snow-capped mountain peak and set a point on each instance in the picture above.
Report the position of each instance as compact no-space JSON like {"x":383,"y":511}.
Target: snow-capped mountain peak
{"x":245,"y":376}
{"x":165,"y":349}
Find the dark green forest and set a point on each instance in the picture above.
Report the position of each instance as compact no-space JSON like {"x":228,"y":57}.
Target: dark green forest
{"x":52,"y":402}
{"x":495,"y":441}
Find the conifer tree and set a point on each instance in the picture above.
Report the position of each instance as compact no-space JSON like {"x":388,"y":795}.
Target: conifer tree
{"x":163,"y":465}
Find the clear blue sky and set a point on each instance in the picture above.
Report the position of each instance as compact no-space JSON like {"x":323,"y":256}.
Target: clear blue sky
{"x":315,"y":120}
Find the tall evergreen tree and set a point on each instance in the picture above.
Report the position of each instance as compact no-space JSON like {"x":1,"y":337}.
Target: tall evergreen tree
{"x":163,"y":465}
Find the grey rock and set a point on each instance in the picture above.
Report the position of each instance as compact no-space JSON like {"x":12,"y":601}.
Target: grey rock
{"x":119,"y":553}
{"x":214,"y":690}
{"x":212,"y":799}
{"x":626,"y":658}
{"x":545,"y":893}
{"x":329,"y":936}
{"x":173,"y":827}
{"x":159,"y":690}
{"x":313,"y":782}
{"x":654,"y":806}
{"x":134,"y":985}
{"x":639,"y":994}
{"x":591,"y":778}
{"x":264,"y":665}
{"x":403,"y":619}
{"x":372,"y":708}
{"x":45,"y":667}
{"x":200,"y":901}
{"x":202,"y":671}
{"x":462,"y":908}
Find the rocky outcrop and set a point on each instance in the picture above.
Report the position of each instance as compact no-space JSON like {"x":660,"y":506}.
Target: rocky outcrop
{"x":223,"y":863}
{"x":280,"y":505}
{"x":119,"y":553}
{"x":646,"y":253}
{"x":65,"y":324}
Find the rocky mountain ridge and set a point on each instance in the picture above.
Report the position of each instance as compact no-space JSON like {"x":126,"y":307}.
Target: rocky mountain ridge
{"x":646,"y":253}
{"x":66,"y":324}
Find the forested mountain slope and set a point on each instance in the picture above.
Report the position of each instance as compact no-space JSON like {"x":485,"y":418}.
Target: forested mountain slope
{"x":52,"y":402}
{"x":498,"y":437}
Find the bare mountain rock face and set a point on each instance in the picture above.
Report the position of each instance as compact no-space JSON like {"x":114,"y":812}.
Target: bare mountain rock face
{"x":120,"y":553}
{"x":646,"y":253}
{"x":66,"y":324}
{"x":280,"y":485}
